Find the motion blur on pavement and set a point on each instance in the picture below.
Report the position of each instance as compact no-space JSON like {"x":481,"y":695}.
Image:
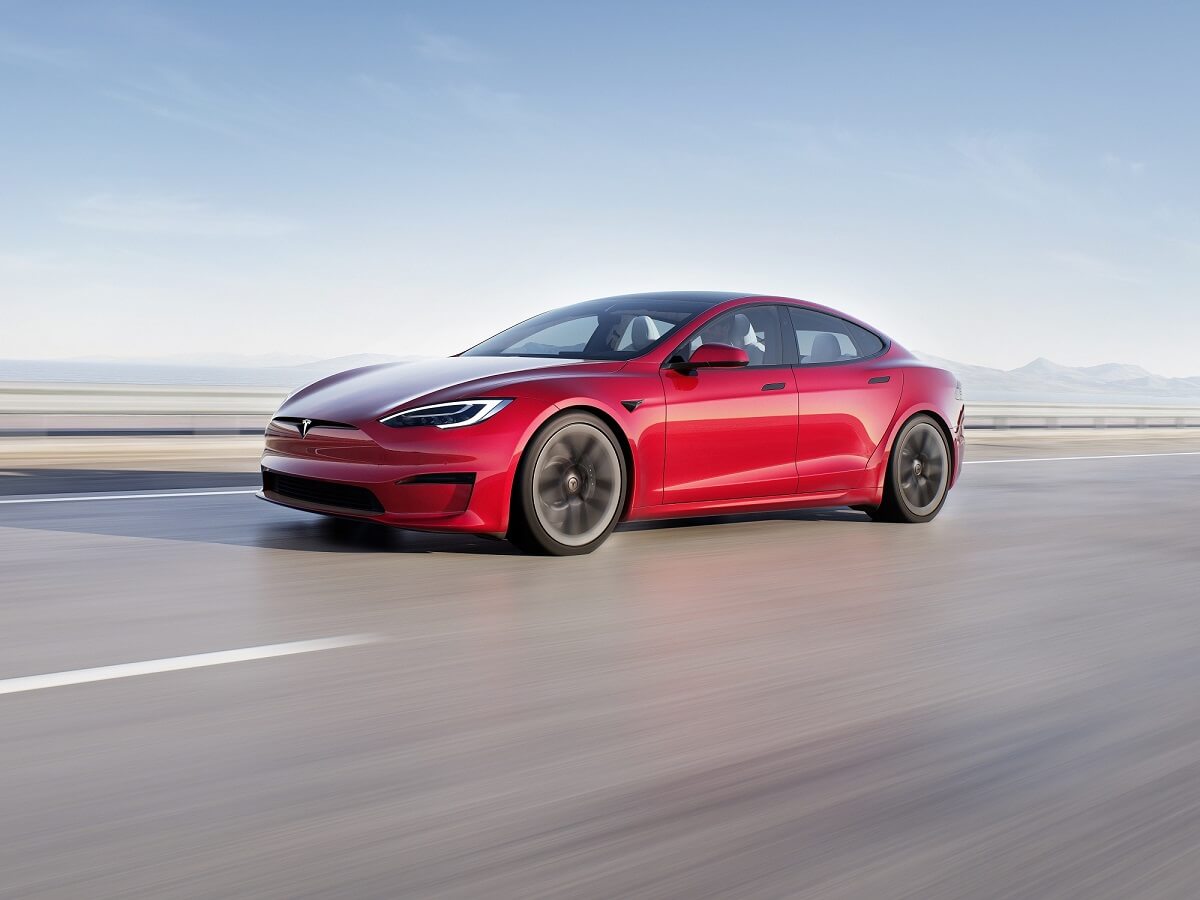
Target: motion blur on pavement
{"x":204,"y":695}
{"x":806,"y":704}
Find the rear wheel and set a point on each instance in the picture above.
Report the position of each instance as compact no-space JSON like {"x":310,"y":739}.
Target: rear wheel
{"x":570,"y":487}
{"x":918,"y":474}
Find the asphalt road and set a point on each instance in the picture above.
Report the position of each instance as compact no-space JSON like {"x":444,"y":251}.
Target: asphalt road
{"x":1004,"y":703}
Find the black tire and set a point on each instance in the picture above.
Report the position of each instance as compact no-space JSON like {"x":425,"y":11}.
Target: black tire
{"x":918,"y":473}
{"x":570,"y":487}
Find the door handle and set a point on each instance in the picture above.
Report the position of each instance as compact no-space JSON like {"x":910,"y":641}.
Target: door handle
{"x":774,"y":386}
{"x":879,"y":379}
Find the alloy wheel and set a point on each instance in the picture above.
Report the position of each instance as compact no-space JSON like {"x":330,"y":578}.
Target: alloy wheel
{"x":922,"y":469}
{"x":576,"y":484}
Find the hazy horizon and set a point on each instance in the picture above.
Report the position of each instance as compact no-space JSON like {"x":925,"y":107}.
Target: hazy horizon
{"x":988,"y":185}
{"x":284,"y":360}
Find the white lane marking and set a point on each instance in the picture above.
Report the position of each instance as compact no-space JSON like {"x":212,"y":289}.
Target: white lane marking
{"x":130,"y":496}
{"x":985,"y":462}
{"x":175,"y":663}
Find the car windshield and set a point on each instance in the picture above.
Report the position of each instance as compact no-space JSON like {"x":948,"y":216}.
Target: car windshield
{"x":597,"y":329}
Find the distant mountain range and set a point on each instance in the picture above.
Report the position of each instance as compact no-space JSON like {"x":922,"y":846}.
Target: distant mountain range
{"x":1040,"y":381}
{"x":1048,"y":381}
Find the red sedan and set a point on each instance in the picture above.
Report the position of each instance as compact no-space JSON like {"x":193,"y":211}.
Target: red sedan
{"x":635,"y":407}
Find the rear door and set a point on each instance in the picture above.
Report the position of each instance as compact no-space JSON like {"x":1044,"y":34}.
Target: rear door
{"x":846,"y":395}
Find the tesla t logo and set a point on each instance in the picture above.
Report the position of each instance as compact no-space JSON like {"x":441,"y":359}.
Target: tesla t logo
{"x":305,"y":424}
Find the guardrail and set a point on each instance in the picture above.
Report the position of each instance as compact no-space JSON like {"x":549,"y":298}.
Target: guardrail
{"x":1004,"y":416}
{"x":118,"y":410}
{"x":128,"y":410}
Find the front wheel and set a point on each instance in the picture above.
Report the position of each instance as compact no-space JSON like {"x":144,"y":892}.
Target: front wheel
{"x":570,"y":487}
{"x":918,"y":474}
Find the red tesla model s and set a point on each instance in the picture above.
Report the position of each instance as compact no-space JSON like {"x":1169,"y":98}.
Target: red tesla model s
{"x":634,"y":407}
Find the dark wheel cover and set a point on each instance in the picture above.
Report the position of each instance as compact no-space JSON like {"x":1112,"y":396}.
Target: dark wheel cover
{"x":572,"y":487}
{"x":918,"y":474}
{"x":922,"y":468}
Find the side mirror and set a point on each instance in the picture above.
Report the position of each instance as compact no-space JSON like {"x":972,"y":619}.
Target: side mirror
{"x":713,"y":356}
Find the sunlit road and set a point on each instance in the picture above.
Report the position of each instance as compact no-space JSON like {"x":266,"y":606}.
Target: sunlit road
{"x":1005,"y":703}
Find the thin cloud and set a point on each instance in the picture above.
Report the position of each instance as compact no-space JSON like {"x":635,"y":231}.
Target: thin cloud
{"x":439,"y":105}
{"x":180,"y":114}
{"x":177,"y":97}
{"x":491,"y":105}
{"x":155,"y":26}
{"x":27,"y":263}
{"x":1003,"y":165}
{"x":824,"y":145}
{"x":1114,"y":163}
{"x":448,"y":48}
{"x":384,"y":88}
{"x":15,"y":51}
{"x":174,"y":216}
{"x":1095,"y":267}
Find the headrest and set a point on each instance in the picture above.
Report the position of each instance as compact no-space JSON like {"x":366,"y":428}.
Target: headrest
{"x":825,"y":348}
{"x":643,"y":332}
{"x":743,"y":330}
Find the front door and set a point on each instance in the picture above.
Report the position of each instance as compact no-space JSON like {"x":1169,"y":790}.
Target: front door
{"x":731,"y":433}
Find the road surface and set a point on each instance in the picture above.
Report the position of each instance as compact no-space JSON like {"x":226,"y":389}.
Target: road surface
{"x":1004,"y":703}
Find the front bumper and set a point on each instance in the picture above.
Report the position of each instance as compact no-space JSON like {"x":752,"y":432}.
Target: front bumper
{"x":414,"y":504}
{"x":422,"y":478}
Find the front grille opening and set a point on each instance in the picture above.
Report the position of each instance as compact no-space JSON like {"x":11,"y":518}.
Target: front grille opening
{"x":323,"y":493}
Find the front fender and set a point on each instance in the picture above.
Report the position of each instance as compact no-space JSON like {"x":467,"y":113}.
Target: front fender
{"x":640,"y":428}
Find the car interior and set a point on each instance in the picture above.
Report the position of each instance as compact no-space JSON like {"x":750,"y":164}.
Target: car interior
{"x":825,"y":348}
{"x":755,"y":330}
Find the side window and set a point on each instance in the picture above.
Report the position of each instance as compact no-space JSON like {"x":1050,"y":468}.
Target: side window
{"x":754,"y":329}
{"x":826,"y":339}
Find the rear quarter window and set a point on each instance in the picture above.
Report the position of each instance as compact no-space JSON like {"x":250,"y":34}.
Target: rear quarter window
{"x":822,"y":338}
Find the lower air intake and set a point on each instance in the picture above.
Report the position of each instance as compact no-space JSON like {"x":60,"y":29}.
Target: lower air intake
{"x":322,"y":493}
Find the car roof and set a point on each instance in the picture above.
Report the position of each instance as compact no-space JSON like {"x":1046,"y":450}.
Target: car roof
{"x":706,"y":299}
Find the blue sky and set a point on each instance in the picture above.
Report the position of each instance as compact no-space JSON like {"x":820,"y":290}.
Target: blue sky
{"x":989,"y":184}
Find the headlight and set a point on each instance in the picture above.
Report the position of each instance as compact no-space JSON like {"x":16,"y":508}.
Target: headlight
{"x":447,"y":415}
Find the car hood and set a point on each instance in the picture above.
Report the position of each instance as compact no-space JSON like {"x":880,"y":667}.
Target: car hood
{"x":373,"y":391}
